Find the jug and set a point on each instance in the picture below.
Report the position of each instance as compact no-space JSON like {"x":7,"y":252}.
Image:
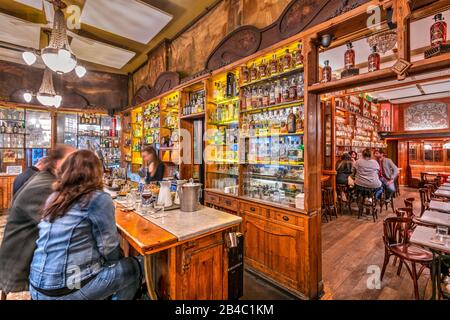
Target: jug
{"x":165,"y":197}
{"x":177,"y":194}
{"x":189,"y":194}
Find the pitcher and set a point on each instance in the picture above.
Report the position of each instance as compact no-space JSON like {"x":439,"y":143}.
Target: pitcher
{"x":165,"y":197}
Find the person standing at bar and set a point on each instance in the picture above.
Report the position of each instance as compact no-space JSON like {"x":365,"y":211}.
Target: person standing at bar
{"x":22,"y":178}
{"x":21,"y":232}
{"x":388,"y":173}
{"x":153,"y":169}
{"x":78,"y":254}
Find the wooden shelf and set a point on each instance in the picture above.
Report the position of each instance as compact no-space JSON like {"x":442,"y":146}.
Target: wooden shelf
{"x":283,"y":105}
{"x":193,"y":116}
{"x":274,"y":77}
{"x":301,"y":133}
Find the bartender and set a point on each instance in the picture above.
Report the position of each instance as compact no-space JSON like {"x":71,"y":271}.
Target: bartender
{"x":153,"y":169}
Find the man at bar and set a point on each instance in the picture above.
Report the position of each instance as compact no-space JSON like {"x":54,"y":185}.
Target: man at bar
{"x":388,"y":172}
{"x":21,"y":231}
{"x":22,"y":178}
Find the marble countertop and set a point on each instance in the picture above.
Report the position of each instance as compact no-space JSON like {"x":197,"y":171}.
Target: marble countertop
{"x":188,"y":225}
{"x":442,"y":193}
{"x":423,"y":236}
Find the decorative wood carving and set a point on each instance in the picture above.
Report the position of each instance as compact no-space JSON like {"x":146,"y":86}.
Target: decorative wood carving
{"x":166,"y":81}
{"x":426,"y":116}
{"x":142,"y":94}
{"x":298,"y":16}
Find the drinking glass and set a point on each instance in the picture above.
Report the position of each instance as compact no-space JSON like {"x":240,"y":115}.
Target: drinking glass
{"x":441,"y":233}
{"x":159,"y":211}
{"x":131,"y":201}
{"x":146,"y":200}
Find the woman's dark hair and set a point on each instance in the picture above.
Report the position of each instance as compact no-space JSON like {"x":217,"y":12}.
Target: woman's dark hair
{"x":80,"y":175}
{"x":367,"y":153}
{"x":154,"y":153}
{"x":346,"y":157}
{"x":54,"y":155}
{"x":351,"y":153}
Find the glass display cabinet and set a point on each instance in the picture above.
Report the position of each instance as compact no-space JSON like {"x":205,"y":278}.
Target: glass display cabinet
{"x":110,"y":141}
{"x":136,"y":137}
{"x":39,"y":135}
{"x":170,"y":131}
{"x":152,"y":124}
{"x":89,"y":131}
{"x":67,"y":129}
{"x":271,"y":148}
{"x":12,"y":137}
{"x":222,"y":133}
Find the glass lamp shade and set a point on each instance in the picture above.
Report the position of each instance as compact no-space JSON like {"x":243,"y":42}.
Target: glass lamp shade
{"x":29,"y":57}
{"x":80,"y":71}
{"x":49,"y":100}
{"x":59,"y":60}
{"x":27,"y":96}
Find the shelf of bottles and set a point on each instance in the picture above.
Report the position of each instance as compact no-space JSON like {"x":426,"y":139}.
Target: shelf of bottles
{"x":357,"y":124}
{"x":89,"y":131}
{"x":127,"y":131}
{"x":195,"y":104}
{"x":271,"y":147}
{"x":110,"y":141}
{"x":222,"y":133}
{"x":136,"y":135}
{"x":170,"y":129}
{"x":12,"y":136}
{"x":152,"y":123}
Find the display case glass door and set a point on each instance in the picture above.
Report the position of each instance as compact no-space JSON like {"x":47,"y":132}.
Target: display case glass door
{"x":67,"y":129}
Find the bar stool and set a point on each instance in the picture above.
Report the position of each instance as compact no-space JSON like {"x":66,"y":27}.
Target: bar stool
{"x":384,"y":202}
{"x":367,"y":202}
{"x":343,"y":198}
{"x":328,"y":203}
{"x":324,"y":210}
{"x":397,"y":188}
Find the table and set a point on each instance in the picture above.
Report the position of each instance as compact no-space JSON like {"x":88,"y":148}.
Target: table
{"x":189,"y":250}
{"x":440,"y":206}
{"x":442,"y":193}
{"x":444,"y":187}
{"x":435,"y":217}
{"x":422,"y":236}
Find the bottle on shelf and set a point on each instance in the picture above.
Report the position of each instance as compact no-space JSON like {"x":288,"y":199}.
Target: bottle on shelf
{"x":291,"y":122}
{"x":245,"y":74}
{"x":349,"y":57}
{"x":299,"y":119}
{"x":374,"y":60}
{"x":298,"y":60}
{"x":283,"y":122}
{"x":438,"y":31}
{"x":287,"y":60}
{"x":262,"y":69}
{"x":326,"y":72}
{"x":254,"y":72}
{"x":231,"y":85}
{"x":293,"y":90}
{"x":3,"y":128}
{"x":274,"y":65}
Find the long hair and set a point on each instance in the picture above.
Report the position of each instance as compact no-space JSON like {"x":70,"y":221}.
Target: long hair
{"x":154,"y":153}
{"x":56,"y":154}
{"x":80,"y":175}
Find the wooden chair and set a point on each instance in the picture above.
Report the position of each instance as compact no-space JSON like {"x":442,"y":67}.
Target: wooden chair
{"x":409,"y":202}
{"x":396,"y":243}
{"x":397,"y":187}
{"x":424,"y":202}
{"x":328,"y":202}
{"x":387,"y":203}
{"x":324,"y":209}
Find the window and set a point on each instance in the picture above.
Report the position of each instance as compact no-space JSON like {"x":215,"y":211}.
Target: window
{"x":433,"y":152}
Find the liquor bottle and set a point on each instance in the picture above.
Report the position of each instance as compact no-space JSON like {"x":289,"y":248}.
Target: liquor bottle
{"x":245,"y":75}
{"x":265,"y":100}
{"x":300,"y":86}
{"x":231,"y":85}
{"x":3,"y":128}
{"x":244,"y":127}
{"x":349,"y":57}
{"x":272,"y":99}
{"x":438,"y":31}
{"x":254,"y":72}
{"x":285,"y":91}
{"x":282,"y":150}
{"x":274,"y":66}
{"x":300,"y":152}
{"x":291,"y":122}
{"x":262,"y":69}
{"x":326,"y":72}
{"x":278,"y":92}
{"x":298,"y":61}
{"x":374,"y":60}
{"x":283,"y":122}
{"x":293,"y":90}
{"x":252,"y":126}
{"x":276,"y":123}
{"x":299,"y":119}
{"x":287,"y":60}
{"x":15,"y":128}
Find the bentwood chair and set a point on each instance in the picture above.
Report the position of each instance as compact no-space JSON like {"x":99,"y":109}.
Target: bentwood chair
{"x":409,"y":202}
{"x":396,"y":243}
{"x":328,"y":202}
{"x":424,"y":202}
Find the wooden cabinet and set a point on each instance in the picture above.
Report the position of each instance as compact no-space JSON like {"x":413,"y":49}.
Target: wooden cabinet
{"x":221,"y":201}
{"x":6,"y":191}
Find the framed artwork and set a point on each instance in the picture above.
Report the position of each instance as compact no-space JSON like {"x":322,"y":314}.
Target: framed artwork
{"x":426,"y":116}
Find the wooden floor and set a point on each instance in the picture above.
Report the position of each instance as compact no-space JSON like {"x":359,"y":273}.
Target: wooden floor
{"x":352,"y":251}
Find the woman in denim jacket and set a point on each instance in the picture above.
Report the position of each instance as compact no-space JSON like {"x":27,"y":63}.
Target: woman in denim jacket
{"x":78,"y":255}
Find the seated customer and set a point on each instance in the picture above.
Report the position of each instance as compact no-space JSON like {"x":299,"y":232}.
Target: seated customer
{"x":367,"y":174}
{"x":344,"y":169}
{"x":388,"y":172}
{"x":21,"y":232}
{"x":78,"y":255}
{"x":22,"y":178}
{"x":153,"y":170}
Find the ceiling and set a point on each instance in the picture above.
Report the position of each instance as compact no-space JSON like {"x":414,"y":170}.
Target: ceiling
{"x":115,"y":35}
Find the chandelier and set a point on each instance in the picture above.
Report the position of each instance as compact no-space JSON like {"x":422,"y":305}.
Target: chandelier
{"x":58,"y":55}
{"x":46,"y":95}
{"x":384,"y":41}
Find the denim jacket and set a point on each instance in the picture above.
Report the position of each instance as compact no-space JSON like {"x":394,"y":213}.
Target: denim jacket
{"x":77,"y":246}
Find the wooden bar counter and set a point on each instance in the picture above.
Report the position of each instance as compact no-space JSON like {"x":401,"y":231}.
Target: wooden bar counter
{"x":188,"y":263}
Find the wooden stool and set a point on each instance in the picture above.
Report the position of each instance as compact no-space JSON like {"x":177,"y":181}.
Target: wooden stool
{"x":329,"y":203}
{"x":384,"y":202}
{"x":397,"y":188}
{"x":367,"y":202}
{"x":324,"y":209}
{"x":343,"y":198}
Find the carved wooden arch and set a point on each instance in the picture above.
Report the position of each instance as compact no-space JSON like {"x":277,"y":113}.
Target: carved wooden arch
{"x":141,"y":95}
{"x":298,"y":16}
{"x":165,"y":82}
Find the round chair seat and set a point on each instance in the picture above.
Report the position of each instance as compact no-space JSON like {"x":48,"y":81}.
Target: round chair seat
{"x":412,"y":253}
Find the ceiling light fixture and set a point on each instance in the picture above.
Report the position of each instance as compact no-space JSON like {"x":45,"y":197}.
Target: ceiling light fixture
{"x":384,"y":41}
{"x":47,"y":95}
{"x":58,"y":55}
